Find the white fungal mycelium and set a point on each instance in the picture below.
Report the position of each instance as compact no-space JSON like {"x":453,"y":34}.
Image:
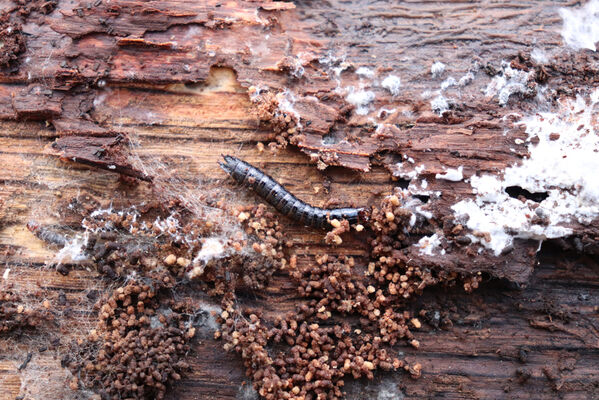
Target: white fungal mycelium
{"x":392,"y":83}
{"x":212,"y":248}
{"x":407,"y":170}
{"x":561,"y":164}
{"x":73,"y":250}
{"x":286,"y":101}
{"x":539,"y":56}
{"x":336,"y":64}
{"x":361,"y":99}
{"x":449,"y":82}
{"x":466,"y":79}
{"x":439,"y":104}
{"x":365,"y":72}
{"x":452,"y":174}
{"x":429,"y":245}
{"x":508,"y":82}
{"x":581,"y":26}
{"x":437,"y":69}
{"x":389,"y":390}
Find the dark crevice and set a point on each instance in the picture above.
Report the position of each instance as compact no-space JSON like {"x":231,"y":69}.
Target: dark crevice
{"x":517,"y":191}
{"x":422,"y":197}
{"x":403,"y":183}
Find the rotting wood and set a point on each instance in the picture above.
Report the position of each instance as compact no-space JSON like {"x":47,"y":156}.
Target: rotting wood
{"x":133,"y":67}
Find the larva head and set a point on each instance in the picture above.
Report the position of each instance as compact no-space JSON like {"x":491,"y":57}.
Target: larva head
{"x":363,"y":215}
{"x":229,"y":165}
{"x":32,"y":226}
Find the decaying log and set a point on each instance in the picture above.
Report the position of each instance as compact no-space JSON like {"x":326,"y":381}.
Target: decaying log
{"x":124,"y":104}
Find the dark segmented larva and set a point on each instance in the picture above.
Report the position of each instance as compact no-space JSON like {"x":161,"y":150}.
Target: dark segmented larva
{"x":46,"y":234}
{"x":277,"y":196}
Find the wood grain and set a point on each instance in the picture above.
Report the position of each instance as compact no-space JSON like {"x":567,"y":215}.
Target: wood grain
{"x":173,"y":78}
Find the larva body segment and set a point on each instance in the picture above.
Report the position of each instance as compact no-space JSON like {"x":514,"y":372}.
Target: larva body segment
{"x":286,"y":203}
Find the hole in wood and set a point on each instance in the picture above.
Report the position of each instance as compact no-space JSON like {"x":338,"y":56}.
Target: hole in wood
{"x":517,"y":191}
{"x":422,"y":197}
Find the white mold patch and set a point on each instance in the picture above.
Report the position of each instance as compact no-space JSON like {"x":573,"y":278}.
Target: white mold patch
{"x":427,"y":94}
{"x":259,"y":20}
{"x":561,"y":165}
{"x":392,"y":83}
{"x":361,"y":99}
{"x":212,"y":248}
{"x":383,"y":112}
{"x":388,"y":390}
{"x":414,"y":204}
{"x":170,"y":226}
{"x":99,"y":100}
{"x":298,"y":65}
{"x":581,"y":26}
{"x":101,"y":211}
{"x":449,"y":82}
{"x":429,"y":245}
{"x":539,"y":56}
{"x":337,"y":64}
{"x":439,"y":104}
{"x":74,"y":250}
{"x":437,"y":69}
{"x":247,"y":392}
{"x":424,"y":213}
{"x":407,"y":171}
{"x":365,"y":72}
{"x":452,"y":174}
{"x":466,"y":79}
{"x":286,"y":100}
{"x":5,"y":274}
{"x":510,"y":81}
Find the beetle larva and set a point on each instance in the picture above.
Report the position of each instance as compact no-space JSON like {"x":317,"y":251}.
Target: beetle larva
{"x":286,"y":203}
{"x":46,"y":234}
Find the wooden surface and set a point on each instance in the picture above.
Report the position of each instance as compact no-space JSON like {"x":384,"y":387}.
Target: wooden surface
{"x":173,"y":79}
